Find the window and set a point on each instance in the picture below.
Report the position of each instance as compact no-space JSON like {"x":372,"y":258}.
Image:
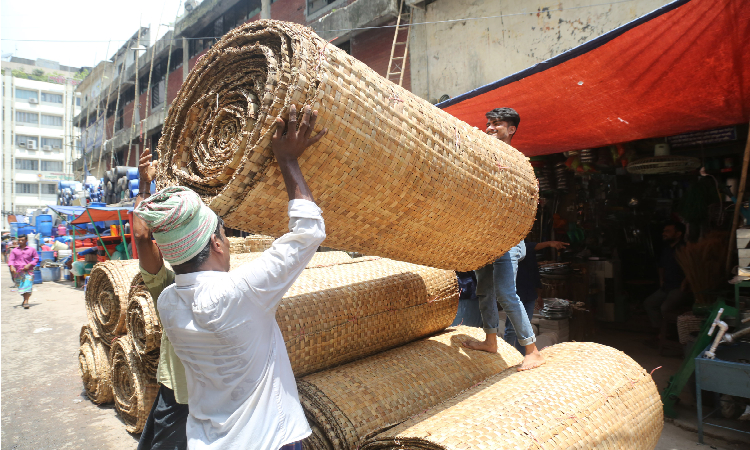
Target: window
{"x":27,"y":164}
{"x":314,"y":6}
{"x":21,"y":141}
{"x":24,"y":94}
{"x":78,"y":101}
{"x":49,"y":189}
{"x":52,"y":142}
{"x":27,"y":188}
{"x":27,"y":117}
{"x":51,"y":98}
{"x":51,"y":121}
{"x":52,"y":166}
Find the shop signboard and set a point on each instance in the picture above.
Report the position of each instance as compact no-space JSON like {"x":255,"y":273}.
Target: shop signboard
{"x":716,"y":136}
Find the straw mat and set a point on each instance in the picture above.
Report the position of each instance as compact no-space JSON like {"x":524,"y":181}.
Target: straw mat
{"x":93,"y":366}
{"x":587,"y":396}
{"x":347,"y":404}
{"x":107,"y":296}
{"x":258,"y":243}
{"x":134,"y":389}
{"x":336,"y":314}
{"x":319,"y":259}
{"x":387,"y":175}
{"x":236,"y":245}
{"x":141,"y":319}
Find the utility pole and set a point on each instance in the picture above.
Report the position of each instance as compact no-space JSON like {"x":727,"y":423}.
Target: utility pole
{"x":135,"y":100}
{"x":265,"y":9}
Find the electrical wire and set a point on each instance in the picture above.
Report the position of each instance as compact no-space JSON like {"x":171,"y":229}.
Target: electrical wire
{"x":538,"y":11}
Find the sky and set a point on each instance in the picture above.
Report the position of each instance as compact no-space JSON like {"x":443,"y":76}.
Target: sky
{"x":91,"y":23}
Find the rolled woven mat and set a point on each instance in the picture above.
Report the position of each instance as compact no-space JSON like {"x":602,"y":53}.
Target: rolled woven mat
{"x":320,"y":259}
{"x":141,"y":320}
{"x":107,"y":296}
{"x":134,"y":390}
{"x":237,"y":245}
{"x":93,"y":366}
{"x":335,"y":314}
{"x":258,"y":242}
{"x":347,"y":404}
{"x":586,"y":396}
{"x":387,"y":174}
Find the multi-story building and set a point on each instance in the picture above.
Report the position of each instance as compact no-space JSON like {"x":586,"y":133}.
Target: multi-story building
{"x":39,"y":137}
{"x":454,"y":46}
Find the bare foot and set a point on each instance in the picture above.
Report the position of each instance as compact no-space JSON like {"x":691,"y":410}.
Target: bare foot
{"x":489,"y":345}
{"x":532,"y":360}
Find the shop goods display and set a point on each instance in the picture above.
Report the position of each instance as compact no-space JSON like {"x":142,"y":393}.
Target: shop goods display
{"x":593,"y":397}
{"x":386,"y":175}
{"x":134,"y":389}
{"x":107,"y":296}
{"x":236,"y":245}
{"x":348,"y":404}
{"x":93,"y":366}
{"x":258,"y":243}
{"x":336,"y":314}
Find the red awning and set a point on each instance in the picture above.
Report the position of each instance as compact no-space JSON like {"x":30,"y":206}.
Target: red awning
{"x":683,"y":67}
{"x":102,"y":214}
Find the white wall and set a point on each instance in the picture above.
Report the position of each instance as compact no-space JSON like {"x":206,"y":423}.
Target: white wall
{"x":454,"y":58}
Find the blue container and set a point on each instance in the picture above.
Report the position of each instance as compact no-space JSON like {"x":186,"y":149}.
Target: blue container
{"x":132,"y":184}
{"x":37,"y":276}
{"x":50,"y":273}
{"x":102,"y":204}
{"x":14,"y":226}
{"x":44,"y":224}
{"x":24,"y":230}
{"x":132,"y":173}
{"x":46,"y":255}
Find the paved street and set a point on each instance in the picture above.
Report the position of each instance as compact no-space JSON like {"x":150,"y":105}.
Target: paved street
{"x":43,"y":404}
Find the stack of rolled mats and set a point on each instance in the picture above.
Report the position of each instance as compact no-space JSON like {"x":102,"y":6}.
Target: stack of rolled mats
{"x":236,"y":245}
{"x":391,"y":167}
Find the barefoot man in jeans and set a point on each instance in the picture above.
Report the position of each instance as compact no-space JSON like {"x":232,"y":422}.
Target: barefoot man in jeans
{"x":496,"y":282}
{"x":222,"y":325}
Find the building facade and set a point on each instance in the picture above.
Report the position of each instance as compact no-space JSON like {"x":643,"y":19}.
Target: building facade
{"x":447,"y":55}
{"x":39,"y":137}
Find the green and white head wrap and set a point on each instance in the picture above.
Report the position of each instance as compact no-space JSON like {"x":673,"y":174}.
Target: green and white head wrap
{"x":181,"y":223}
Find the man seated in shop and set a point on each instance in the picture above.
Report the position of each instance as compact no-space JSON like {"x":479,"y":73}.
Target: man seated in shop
{"x":673,"y":296}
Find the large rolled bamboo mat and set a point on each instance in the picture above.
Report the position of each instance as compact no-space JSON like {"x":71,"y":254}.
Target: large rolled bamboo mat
{"x":134,"y":390}
{"x":387,"y":175}
{"x":587,"y":396}
{"x":335,"y":314}
{"x":319,"y":259}
{"x":236,"y":245}
{"x":107,"y":296}
{"x":93,"y":366}
{"x":350,"y":403}
{"x":141,"y":319}
{"x":258,"y":242}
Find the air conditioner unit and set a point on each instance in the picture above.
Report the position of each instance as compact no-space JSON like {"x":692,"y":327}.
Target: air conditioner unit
{"x":56,"y":147}
{"x":47,"y":147}
{"x":31,"y":145}
{"x":33,"y":101}
{"x":22,"y":144}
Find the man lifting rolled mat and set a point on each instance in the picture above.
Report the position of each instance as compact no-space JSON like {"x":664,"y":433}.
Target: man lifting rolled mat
{"x":221,"y":324}
{"x":496,"y":282}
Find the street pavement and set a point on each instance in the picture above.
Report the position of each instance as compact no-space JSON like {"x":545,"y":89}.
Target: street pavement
{"x":44,"y":405}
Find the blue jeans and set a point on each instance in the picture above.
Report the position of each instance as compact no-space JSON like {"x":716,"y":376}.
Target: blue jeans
{"x":496,"y":282}
{"x":510,"y":332}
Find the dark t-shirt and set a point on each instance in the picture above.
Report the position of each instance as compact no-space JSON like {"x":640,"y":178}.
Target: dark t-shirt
{"x":528,"y":279}
{"x":673,"y":274}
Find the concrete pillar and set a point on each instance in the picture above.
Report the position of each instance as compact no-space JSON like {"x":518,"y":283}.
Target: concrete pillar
{"x":185,"y":60}
{"x":265,"y":9}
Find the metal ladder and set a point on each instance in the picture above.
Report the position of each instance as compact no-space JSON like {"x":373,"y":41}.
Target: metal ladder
{"x":398,"y":63}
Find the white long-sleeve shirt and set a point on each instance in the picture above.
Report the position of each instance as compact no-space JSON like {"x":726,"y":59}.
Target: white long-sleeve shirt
{"x":222,"y":325}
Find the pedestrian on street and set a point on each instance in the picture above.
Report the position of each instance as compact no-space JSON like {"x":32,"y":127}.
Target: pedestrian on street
{"x":496,"y":282}
{"x":222,"y":325}
{"x":22,"y":261}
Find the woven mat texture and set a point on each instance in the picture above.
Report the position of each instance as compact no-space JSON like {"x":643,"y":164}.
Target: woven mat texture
{"x":351,"y":402}
{"x":335,"y":314}
{"x":587,"y":396}
{"x":258,"y":243}
{"x":236,"y":245}
{"x":107,"y":296}
{"x":134,"y":389}
{"x":387,"y":175}
{"x":93,"y":366}
{"x":141,"y":319}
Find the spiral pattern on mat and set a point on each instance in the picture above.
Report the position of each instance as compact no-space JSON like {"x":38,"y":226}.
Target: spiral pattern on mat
{"x":93,"y":366}
{"x":134,"y":391}
{"x":141,"y":320}
{"x":107,"y":296}
{"x":395,"y":176}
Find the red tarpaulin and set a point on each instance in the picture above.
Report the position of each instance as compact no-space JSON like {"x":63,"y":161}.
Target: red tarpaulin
{"x":683,"y":67}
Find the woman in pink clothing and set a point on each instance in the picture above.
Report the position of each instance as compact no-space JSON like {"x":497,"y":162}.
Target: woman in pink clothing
{"x":22,"y":261}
